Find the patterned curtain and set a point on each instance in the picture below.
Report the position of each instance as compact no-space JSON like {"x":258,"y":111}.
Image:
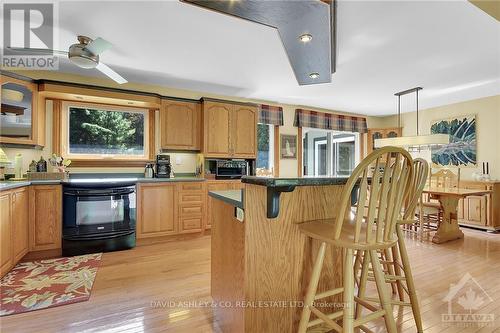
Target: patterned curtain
{"x":330,"y":121}
{"x":270,"y":115}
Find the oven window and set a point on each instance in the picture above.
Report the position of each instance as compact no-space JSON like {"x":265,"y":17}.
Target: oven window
{"x":100,"y":211}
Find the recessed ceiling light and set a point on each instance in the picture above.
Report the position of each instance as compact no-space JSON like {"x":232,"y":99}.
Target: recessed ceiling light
{"x":305,"y":38}
{"x":314,"y":75}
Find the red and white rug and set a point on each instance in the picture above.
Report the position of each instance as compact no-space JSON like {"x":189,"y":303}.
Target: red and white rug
{"x":47,"y":283}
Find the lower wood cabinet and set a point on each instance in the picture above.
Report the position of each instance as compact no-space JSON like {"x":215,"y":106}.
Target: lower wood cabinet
{"x":480,"y":211}
{"x":45,"y":214}
{"x":20,"y":222}
{"x":14,"y":224}
{"x":6,"y":253}
{"x":219,"y":185}
{"x":156,"y":210}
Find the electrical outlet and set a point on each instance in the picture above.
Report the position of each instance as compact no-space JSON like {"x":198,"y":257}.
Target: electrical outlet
{"x":178,"y":160}
{"x":240,"y":214}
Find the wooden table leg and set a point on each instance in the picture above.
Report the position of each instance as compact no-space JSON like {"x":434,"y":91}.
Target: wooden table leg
{"x":448,"y":229}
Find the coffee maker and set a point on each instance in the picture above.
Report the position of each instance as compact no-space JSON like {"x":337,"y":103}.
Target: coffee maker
{"x":163,"y":166}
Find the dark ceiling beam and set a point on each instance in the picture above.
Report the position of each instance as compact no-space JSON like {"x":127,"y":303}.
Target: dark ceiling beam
{"x":292,"y":19}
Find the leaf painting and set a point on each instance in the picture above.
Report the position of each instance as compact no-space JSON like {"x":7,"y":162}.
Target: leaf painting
{"x":462,"y":149}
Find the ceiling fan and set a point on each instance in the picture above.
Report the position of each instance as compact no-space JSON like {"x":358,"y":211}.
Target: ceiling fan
{"x":84,"y":54}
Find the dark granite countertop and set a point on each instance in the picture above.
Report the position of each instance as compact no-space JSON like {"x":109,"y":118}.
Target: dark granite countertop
{"x":233,"y":197}
{"x":304,"y":181}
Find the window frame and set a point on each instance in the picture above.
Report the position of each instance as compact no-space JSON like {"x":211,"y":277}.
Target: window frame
{"x":273,"y":147}
{"x":105,"y":159}
{"x":332,"y":145}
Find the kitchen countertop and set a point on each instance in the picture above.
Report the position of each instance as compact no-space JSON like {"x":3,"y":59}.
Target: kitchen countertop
{"x":233,"y":197}
{"x":304,"y":181}
{"x":9,"y":185}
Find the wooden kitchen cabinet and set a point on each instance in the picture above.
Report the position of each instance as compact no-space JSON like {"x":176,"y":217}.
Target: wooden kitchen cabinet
{"x":480,"y":211}
{"x":192,"y":207}
{"x":6,"y":253}
{"x":219,"y":185}
{"x":23,"y":112}
{"x":229,"y":130}
{"x":20,"y":222}
{"x":216,"y":129}
{"x":180,"y":125}
{"x":156,"y":210}
{"x":244,"y":129}
{"x":14,"y":222}
{"x":45,"y":217}
{"x":380,"y":133}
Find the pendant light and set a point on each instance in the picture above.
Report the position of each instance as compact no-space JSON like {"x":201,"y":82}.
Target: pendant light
{"x":411,"y":143}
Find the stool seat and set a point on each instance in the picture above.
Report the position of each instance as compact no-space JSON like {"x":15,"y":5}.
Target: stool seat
{"x":323,"y":230}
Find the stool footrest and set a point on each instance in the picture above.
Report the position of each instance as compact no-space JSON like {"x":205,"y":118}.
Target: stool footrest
{"x":370,"y":317}
{"x":327,"y":293}
{"x":325,"y":318}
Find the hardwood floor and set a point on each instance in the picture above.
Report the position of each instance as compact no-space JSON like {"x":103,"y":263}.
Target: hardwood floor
{"x":131,"y":285}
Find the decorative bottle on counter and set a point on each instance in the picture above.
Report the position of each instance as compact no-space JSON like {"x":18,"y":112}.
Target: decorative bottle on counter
{"x":41,"y":166}
{"x":18,"y":165}
{"x":32,"y":167}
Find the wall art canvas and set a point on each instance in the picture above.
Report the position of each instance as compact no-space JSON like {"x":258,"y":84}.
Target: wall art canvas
{"x":462,"y":149}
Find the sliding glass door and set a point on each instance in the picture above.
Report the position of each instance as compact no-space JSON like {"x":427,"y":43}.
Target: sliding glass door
{"x":329,"y":153}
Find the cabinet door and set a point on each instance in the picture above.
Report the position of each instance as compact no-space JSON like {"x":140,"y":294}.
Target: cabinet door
{"x":180,"y":125}
{"x":45,"y":217}
{"x":20,"y":222}
{"x":243,"y":131}
{"x":157,"y":210}
{"x":215,"y":186}
{"x":20,"y":117}
{"x":6,"y":254}
{"x":372,"y":136}
{"x":476,"y":210}
{"x":216,"y":129}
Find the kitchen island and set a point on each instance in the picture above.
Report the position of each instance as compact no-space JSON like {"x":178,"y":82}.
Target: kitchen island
{"x":261,"y":265}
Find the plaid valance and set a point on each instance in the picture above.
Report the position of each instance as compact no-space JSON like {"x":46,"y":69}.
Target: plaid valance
{"x":270,"y":115}
{"x":330,"y":121}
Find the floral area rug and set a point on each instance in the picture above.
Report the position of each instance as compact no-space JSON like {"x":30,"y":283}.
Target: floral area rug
{"x":47,"y":283}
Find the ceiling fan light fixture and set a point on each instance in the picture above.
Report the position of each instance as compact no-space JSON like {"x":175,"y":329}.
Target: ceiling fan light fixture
{"x":305,"y":38}
{"x":314,"y":75}
{"x":83,"y":61}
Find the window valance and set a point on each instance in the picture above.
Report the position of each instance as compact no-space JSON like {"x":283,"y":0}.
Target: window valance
{"x":270,"y":115}
{"x":330,"y":121}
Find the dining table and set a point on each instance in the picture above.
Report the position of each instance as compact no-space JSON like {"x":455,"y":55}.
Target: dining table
{"x":448,"y":198}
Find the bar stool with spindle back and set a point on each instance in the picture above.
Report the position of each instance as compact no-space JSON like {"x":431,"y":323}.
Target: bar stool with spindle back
{"x":350,"y":231}
{"x":399,"y":260}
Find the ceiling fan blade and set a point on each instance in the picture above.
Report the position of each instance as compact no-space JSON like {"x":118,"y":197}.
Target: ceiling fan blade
{"x":98,"y":46}
{"x":110,"y":73}
{"x":38,"y":51}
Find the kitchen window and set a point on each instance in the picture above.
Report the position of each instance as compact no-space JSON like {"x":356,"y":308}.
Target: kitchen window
{"x":330,"y":153}
{"x":97,"y":132}
{"x":265,"y":150}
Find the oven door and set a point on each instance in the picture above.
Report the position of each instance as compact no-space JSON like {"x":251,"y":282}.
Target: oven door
{"x":92,"y":211}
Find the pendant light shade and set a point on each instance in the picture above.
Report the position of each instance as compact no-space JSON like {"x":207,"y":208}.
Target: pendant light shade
{"x":417,"y":142}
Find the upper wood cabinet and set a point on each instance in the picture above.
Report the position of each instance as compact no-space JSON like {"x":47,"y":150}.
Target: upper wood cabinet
{"x":22,"y":112}
{"x":380,"y":133}
{"x":180,"y":125}
{"x":243,"y":131}
{"x":229,"y":130}
{"x":45,"y":216}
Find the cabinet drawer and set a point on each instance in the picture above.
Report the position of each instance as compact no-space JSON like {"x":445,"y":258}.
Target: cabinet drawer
{"x":191,"y":223}
{"x":191,"y":210}
{"x":194,"y":186}
{"x":196,"y":197}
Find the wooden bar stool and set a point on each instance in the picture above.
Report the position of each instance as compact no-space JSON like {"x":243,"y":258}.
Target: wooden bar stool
{"x":400,"y":275}
{"x":350,"y":231}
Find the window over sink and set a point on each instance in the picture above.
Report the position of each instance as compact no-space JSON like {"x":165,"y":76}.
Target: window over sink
{"x":265,"y":150}
{"x":98,"y":131}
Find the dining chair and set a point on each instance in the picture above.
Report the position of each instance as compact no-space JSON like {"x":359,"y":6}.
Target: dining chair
{"x":351,"y":231}
{"x":400,"y":274}
{"x":430,"y":210}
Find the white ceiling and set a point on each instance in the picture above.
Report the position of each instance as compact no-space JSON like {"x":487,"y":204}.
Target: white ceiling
{"x":451,"y":48}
